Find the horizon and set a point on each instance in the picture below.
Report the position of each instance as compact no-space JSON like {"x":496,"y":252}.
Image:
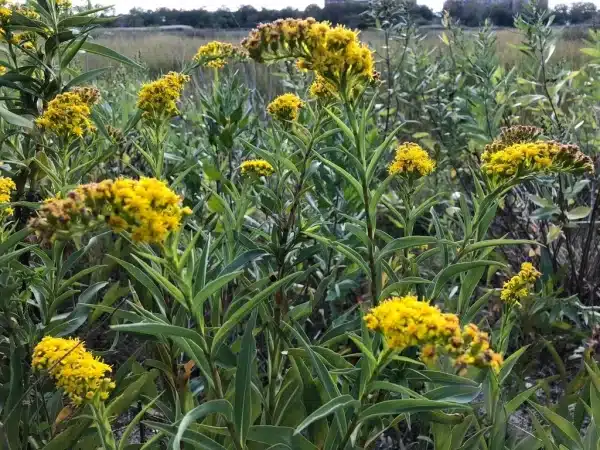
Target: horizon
{"x":125,"y":6}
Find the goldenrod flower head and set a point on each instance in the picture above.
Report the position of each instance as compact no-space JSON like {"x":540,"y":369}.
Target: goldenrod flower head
{"x":411,"y":159}
{"x":65,"y":4}
{"x":3,"y":70}
{"x":321,"y":89}
{"x":285,"y":107}
{"x":68,"y":114}
{"x":518,"y":287}
{"x":159,"y":98}
{"x":332,"y":52}
{"x":82,"y":376}
{"x":215,"y":54}
{"x":147,"y":208}
{"x":407,"y":322}
{"x":517,"y":151}
{"x":6,"y":187}
{"x":258,"y":167}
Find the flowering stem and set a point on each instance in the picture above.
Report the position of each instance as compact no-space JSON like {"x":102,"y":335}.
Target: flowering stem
{"x":371,"y":225}
{"x":105,"y":432}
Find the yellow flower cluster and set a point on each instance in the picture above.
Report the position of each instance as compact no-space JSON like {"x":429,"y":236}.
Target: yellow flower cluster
{"x":517,"y":151}
{"x":215,"y":54}
{"x":6,"y":187}
{"x":66,"y":4}
{"x":518,"y":287}
{"x":68,"y":114}
{"x":285,"y":107}
{"x":159,"y":98}
{"x":335,"y":53}
{"x":321,"y":89}
{"x":82,"y":376}
{"x":411,"y":159}
{"x":258,"y":167}
{"x":407,"y":322}
{"x":146,"y":208}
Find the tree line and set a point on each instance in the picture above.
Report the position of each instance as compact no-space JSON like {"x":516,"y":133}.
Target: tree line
{"x":501,"y":13}
{"x":351,"y":14}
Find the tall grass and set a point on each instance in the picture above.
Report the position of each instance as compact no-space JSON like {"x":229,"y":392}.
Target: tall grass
{"x":161,"y":51}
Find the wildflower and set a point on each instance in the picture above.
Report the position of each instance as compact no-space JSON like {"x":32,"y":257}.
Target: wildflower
{"x":258,"y":167}
{"x":65,"y":4}
{"x":334,"y":53}
{"x":285,"y":107}
{"x":75,"y":370}
{"x":146,"y":208}
{"x":518,"y":151}
{"x":158,"y":99}
{"x":321,"y":89}
{"x":68,"y":114}
{"x":518,"y":287}
{"x":215,"y":54}
{"x":407,"y":322}
{"x":411,"y":159}
{"x":6,"y":187}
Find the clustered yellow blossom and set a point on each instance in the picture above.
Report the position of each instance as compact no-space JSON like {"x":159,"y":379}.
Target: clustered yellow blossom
{"x":321,"y":89}
{"x":159,"y":98}
{"x":75,"y":370}
{"x":6,"y":187}
{"x":335,"y":53}
{"x":146,"y":208}
{"x":518,"y":287}
{"x":215,"y":54}
{"x":258,"y":167}
{"x":411,"y":159}
{"x":7,"y":15}
{"x":285,"y":107}
{"x":3,"y":70}
{"x":407,"y":322}
{"x":66,"y":4}
{"x":68,"y":114}
{"x":518,"y":151}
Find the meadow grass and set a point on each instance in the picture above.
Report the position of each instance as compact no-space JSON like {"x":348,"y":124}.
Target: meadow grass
{"x":162,"y":51}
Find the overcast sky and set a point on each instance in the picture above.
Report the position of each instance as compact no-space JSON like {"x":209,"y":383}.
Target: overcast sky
{"x":123,"y":6}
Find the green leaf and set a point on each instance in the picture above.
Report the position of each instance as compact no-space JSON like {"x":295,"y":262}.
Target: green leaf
{"x":581,"y":212}
{"x":341,"y":171}
{"x":144,"y":280}
{"x":131,"y":426}
{"x":406,"y":242}
{"x":454,"y":269}
{"x":222,"y":407}
{"x":247,"y":307}
{"x":163,"y":281}
{"x":192,"y":437}
{"x":344,"y":249}
{"x":15,"y":119}
{"x":495,"y":243}
{"x":129,"y":394}
{"x":8,"y":257}
{"x":509,"y":364}
{"x":161,"y":329}
{"x":242,"y":413}
{"x":101,"y":50}
{"x":213,"y":287}
{"x":328,"y":408}
{"x":85,"y":78}
{"x":561,"y":427}
{"x":396,"y":407}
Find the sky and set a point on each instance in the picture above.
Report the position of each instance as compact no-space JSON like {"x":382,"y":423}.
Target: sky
{"x":123,"y":6}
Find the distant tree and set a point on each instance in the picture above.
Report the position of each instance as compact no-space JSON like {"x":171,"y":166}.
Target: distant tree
{"x":582,"y":12}
{"x":501,"y":15}
{"x":561,"y":14}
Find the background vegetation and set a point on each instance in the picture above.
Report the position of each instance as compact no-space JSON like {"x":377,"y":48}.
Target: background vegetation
{"x":236,"y":311}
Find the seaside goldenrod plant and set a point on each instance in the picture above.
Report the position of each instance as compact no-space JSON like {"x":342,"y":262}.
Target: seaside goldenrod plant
{"x":208,"y":256}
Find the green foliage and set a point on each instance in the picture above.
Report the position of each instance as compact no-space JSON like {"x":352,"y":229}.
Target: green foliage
{"x":244,"y":328}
